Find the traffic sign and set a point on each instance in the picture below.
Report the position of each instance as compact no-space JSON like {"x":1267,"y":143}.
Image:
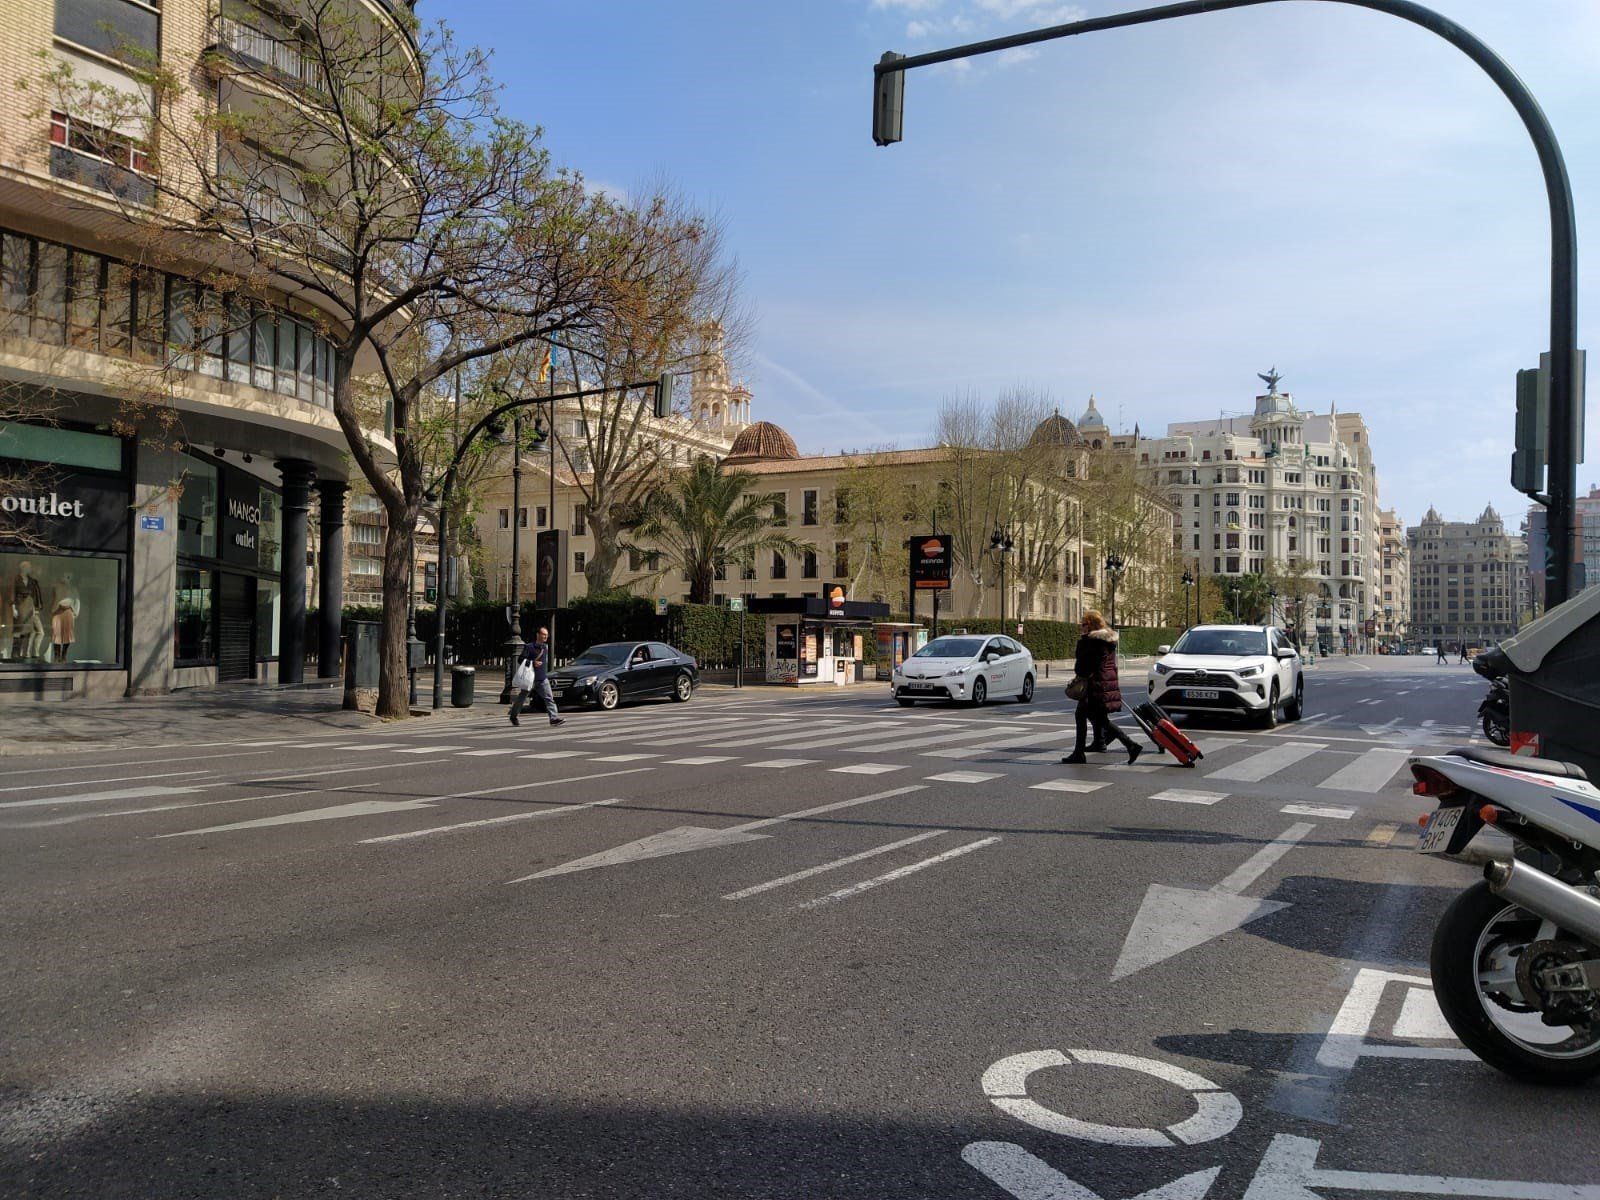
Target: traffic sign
{"x":735,"y":603}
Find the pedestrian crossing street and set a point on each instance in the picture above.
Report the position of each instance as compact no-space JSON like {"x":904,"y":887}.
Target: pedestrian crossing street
{"x":997,"y":749}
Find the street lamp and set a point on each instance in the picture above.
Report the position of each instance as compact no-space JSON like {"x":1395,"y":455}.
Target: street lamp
{"x":491,"y":421}
{"x":1000,"y":542}
{"x":1564,"y":441}
{"x":514,"y":638}
{"x":1272,"y":603}
{"x":1233,"y":599}
{"x":1188,"y":586}
{"x":1114,"y":569}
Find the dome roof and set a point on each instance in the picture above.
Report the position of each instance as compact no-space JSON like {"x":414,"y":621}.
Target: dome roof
{"x":1056,"y":430}
{"x":1091,"y":418}
{"x":763,"y":440}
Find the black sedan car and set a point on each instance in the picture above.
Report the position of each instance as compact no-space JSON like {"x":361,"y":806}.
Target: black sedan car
{"x":607,"y":674}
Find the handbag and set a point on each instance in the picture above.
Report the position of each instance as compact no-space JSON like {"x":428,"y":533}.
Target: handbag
{"x":522,"y":679}
{"x":1078,"y":689}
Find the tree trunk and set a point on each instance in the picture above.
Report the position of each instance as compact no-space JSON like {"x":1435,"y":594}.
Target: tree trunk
{"x":600,"y":569}
{"x":394,"y":690}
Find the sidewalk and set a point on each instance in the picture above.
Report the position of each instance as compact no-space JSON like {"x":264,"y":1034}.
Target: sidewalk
{"x":193,"y":716}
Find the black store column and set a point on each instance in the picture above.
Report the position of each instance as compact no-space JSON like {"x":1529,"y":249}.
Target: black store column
{"x":297,"y":477}
{"x":330,"y":574}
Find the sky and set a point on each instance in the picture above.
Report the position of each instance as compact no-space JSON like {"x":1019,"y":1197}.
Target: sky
{"x":1150,"y":215}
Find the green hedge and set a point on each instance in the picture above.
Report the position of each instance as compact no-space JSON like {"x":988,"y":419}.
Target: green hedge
{"x":1055,"y":640}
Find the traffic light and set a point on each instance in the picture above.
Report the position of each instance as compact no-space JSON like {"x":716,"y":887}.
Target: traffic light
{"x":1533,"y":425}
{"x":888,"y":101}
{"x":430,"y":582}
{"x":663,"y":396}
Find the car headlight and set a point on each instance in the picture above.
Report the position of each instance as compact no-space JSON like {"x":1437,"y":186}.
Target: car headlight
{"x":1162,"y":669}
{"x":1247,"y":672}
{"x":588,"y":681}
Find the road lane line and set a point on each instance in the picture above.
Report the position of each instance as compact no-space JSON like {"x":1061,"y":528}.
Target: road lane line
{"x":829,"y":866}
{"x":1332,"y":812}
{"x":1183,"y":796}
{"x":114,"y":794}
{"x":486,"y":821}
{"x":1067,"y":785}
{"x":867,"y":769}
{"x":365,"y":767}
{"x":702,"y":760}
{"x":855,"y":889}
{"x":1262,"y":860}
{"x":964,"y":777}
{"x":781,"y":763}
{"x":1032,"y":737}
{"x":1368,"y":773}
{"x":33,"y":787}
{"x":1257,"y":767}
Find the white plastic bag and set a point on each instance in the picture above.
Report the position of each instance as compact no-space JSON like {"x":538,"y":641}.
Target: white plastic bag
{"x":522,"y":679}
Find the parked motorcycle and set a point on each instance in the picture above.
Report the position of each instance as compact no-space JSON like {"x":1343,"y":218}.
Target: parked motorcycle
{"x":1516,"y":958}
{"x":1495,"y":711}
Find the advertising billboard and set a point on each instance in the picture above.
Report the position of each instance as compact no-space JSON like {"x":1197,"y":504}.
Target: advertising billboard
{"x":932,"y":556}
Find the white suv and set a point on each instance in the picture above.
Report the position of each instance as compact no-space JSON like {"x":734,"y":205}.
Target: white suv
{"x":1253,"y":670}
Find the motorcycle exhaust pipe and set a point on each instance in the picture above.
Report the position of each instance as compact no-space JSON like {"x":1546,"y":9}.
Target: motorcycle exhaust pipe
{"x":1546,"y":896}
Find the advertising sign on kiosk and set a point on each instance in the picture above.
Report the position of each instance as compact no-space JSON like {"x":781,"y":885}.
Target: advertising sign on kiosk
{"x":932,"y":555}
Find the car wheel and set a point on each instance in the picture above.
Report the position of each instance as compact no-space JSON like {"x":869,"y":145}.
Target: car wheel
{"x":683,"y":688}
{"x":904,"y":702}
{"x":1269,"y":715}
{"x":608,"y":695}
{"x":1025,"y":696}
{"x":1296,"y":708}
{"x":980,"y":690}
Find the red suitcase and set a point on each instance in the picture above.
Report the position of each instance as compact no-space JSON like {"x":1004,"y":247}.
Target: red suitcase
{"x":1165,"y":734}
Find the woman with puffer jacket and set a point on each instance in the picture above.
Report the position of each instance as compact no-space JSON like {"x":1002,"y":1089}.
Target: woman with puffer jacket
{"x":1096,"y":663}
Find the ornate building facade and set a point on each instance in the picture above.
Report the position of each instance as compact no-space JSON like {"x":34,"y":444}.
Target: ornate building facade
{"x":1469,"y":580}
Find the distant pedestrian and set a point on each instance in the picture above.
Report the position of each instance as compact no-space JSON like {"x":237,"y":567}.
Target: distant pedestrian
{"x":1442,"y":658}
{"x":1096,"y":666}
{"x":536,"y":654}
{"x":1463,"y":657}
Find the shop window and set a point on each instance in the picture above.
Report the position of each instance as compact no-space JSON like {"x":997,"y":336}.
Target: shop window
{"x":197,"y":510}
{"x":60,"y":447}
{"x":269,"y":611}
{"x":83,"y":311}
{"x":59,"y":609}
{"x":194,"y":629}
{"x":269,"y":531}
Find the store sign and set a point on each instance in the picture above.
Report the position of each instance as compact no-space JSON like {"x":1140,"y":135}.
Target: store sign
{"x":835,"y":596}
{"x":72,"y":512}
{"x":932,"y":556}
{"x":550,"y":575}
{"x":241,"y":519}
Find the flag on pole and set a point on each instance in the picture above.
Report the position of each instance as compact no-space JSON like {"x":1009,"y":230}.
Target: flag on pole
{"x":548,"y":364}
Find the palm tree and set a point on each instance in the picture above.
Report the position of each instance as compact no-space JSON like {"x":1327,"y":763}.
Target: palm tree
{"x":705,"y":518}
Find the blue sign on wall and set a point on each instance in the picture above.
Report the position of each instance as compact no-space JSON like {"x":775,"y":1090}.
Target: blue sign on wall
{"x":155,"y":524}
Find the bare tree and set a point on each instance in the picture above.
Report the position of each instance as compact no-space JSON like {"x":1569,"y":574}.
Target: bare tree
{"x":879,"y":508}
{"x":972,"y":484}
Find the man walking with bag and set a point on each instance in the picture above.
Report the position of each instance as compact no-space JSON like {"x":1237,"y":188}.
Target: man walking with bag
{"x":532,"y":676}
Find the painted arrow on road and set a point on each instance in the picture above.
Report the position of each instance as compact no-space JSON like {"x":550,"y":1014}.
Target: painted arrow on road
{"x":1172,"y":920}
{"x":1289,"y":1171}
{"x":684,"y":838}
{"x":338,"y":812}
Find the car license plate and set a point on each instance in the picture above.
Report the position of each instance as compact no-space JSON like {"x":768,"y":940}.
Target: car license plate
{"x":1201,"y":694}
{"x":922,"y":687}
{"x":1441,"y":825}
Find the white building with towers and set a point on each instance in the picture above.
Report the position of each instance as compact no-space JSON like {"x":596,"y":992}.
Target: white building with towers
{"x":1281,"y":486}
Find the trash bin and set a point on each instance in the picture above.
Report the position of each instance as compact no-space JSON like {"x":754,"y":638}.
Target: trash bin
{"x":1555,"y":683}
{"x":463,"y":683}
{"x":362,"y":663}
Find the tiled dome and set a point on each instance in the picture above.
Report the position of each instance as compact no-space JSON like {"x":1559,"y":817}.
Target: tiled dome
{"x":1056,"y":430}
{"x":762,"y":441}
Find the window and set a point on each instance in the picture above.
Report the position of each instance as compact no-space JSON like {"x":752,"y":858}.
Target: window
{"x":522,"y":517}
{"x":579,"y":523}
{"x":808,"y":506}
{"x":780,"y":565}
{"x":542,"y":516}
{"x":194,"y":633}
{"x":81,"y":137}
{"x":841,"y":507}
{"x":780,"y":507}
{"x":841,"y":560}
{"x":808,"y":563}
{"x":579,"y":558}
{"x":197,"y":509}
{"x":110,"y":26}
{"x":505,"y":518}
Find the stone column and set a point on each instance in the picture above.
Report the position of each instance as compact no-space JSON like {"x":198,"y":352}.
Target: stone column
{"x":297,"y":478}
{"x":154,"y":569}
{"x":330,"y":574}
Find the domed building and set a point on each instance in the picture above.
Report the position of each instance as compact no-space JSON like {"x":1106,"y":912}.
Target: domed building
{"x":1056,"y":430}
{"x":761,"y":442}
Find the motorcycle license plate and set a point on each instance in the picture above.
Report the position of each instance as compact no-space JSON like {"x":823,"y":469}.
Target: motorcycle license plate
{"x":1200,"y":693}
{"x":1436,"y":835}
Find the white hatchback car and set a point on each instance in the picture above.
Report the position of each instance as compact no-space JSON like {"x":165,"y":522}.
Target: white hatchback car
{"x":1252,"y":670}
{"x":967,"y":667}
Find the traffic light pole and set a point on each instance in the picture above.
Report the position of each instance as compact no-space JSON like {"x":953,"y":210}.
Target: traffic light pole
{"x":888,"y":95}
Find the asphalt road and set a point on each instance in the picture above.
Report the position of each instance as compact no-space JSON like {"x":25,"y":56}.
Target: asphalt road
{"x":765,"y":944}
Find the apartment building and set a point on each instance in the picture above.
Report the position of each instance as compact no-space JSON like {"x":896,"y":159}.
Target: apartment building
{"x":1469,"y":579}
{"x":1393,"y":619}
{"x":1282,"y":485}
{"x":162,"y":545}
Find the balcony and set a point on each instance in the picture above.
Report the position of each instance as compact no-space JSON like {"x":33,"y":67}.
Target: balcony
{"x":102,"y":175}
{"x":283,"y":62}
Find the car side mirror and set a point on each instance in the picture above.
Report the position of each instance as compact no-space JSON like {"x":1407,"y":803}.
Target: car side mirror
{"x":1163,"y":649}
{"x":1285,"y":652}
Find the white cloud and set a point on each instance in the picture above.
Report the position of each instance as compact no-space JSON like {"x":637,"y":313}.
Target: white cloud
{"x":1016,"y":56}
{"x":1039,"y":12}
{"x":908,"y":5}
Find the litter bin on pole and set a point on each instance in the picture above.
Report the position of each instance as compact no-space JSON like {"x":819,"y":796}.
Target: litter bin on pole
{"x":1555,"y":684}
{"x":463,"y":686}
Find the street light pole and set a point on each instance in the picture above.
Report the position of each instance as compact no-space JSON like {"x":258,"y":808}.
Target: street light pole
{"x":1188,"y":586}
{"x":1563,"y":448}
{"x":514,"y":640}
{"x":1114,"y":569}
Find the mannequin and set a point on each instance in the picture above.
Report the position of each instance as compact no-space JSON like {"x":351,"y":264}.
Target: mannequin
{"x":27,"y":598}
{"x":5,"y":620}
{"x":64,"y":609}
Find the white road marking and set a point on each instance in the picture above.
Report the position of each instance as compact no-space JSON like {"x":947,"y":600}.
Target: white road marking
{"x":33,"y":787}
{"x":1382,"y":834}
{"x":1132,"y":768}
{"x":1067,"y":785}
{"x":1257,"y":767}
{"x":428,"y":749}
{"x":897,"y":744}
{"x":366,"y":768}
{"x":488,"y":753}
{"x":856,"y":889}
{"x":1368,"y":773}
{"x":1030,"y":738}
{"x":1025,"y":1176}
{"x":833,"y":740}
{"x":486,"y":821}
{"x":964,"y":777}
{"x":626,"y":757}
{"x":783,"y":763}
{"x":1346,"y":1041}
{"x":1172,"y":919}
{"x":1420,"y":1018}
{"x":338,"y":812}
{"x":1331,"y":812}
{"x":693,"y":837}
{"x":866,"y":769}
{"x":555,"y":754}
{"x":115,"y":794}
{"x":745,"y":893}
{"x":1183,"y":796}
{"x":1289,"y":1171}
{"x":704,"y":760}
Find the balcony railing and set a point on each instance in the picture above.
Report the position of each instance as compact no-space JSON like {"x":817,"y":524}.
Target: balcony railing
{"x":286,"y":63}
